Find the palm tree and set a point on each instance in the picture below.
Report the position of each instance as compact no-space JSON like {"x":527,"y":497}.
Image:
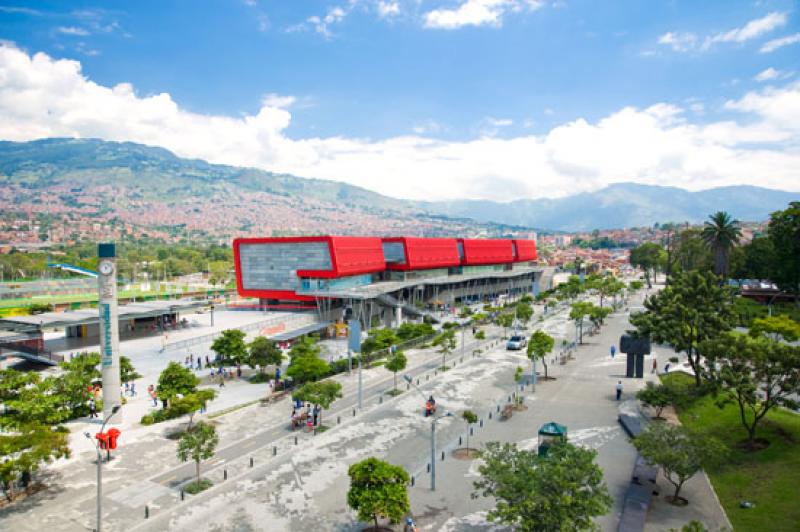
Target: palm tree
{"x":720,"y":234}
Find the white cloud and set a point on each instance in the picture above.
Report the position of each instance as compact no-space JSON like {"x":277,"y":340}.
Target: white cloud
{"x":751,"y":30}
{"x":72,"y":30}
{"x":263,"y":22}
{"x":774,"y":44}
{"x":500,"y":122}
{"x":772,"y":74}
{"x":687,"y":41}
{"x":322,"y":24}
{"x":680,"y":42}
{"x":278,"y":101}
{"x":387,"y":9}
{"x":477,"y":13}
{"x":44,"y":97}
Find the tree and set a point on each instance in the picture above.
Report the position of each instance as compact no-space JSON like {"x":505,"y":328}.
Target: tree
{"x":784,"y":232}
{"x":692,"y":309}
{"x":263,"y":353}
{"x":446,"y":342}
{"x":127,"y":372}
{"x":524,"y":312}
{"x":397,"y":362}
{"x":562,"y":491}
{"x":635,"y":285}
{"x":505,"y":321}
{"x":647,"y":257}
{"x":470,"y":417}
{"x":198,"y":444}
{"x":579,"y":311}
{"x":597,"y":315}
{"x":231,"y":345}
{"x":758,"y":374}
{"x":656,"y":396}
{"x":378,"y":489}
{"x":29,"y":432}
{"x":692,"y":253}
{"x":24,"y":448}
{"x":570,"y":289}
{"x":776,"y":328}
{"x":539,"y":347}
{"x":378,"y":340}
{"x":192,"y":402}
{"x":721,"y":234}
{"x":759,"y":260}
{"x":322,"y":393}
{"x":174,"y":380}
{"x":678,"y":452}
{"x":305,"y":364}
{"x":72,"y":386}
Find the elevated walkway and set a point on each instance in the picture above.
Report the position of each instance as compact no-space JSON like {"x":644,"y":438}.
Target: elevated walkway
{"x":393,"y":302}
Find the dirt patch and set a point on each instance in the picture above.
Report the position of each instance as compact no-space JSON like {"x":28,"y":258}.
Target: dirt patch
{"x":520,"y":407}
{"x":465,"y":453}
{"x":759,"y":444}
{"x":677,"y":501}
{"x":379,"y":528}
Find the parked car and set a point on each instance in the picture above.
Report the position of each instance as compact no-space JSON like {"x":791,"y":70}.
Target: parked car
{"x":516,"y":342}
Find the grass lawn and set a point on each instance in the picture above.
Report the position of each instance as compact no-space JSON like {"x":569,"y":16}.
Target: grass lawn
{"x":769,"y":478}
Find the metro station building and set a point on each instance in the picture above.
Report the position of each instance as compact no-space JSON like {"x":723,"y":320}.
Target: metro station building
{"x":383,"y":278}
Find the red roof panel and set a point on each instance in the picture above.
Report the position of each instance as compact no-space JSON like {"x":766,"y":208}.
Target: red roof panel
{"x":353,"y":255}
{"x":426,"y":253}
{"x":486,"y":251}
{"x":525,"y":250}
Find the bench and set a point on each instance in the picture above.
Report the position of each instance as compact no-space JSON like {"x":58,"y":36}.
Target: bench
{"x":274,"y":398}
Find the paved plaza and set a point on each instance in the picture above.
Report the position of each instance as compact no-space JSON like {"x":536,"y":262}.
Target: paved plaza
{"x":301,"y":484}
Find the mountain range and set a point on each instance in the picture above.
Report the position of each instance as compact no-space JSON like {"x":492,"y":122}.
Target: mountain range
{"x":152,"y":186}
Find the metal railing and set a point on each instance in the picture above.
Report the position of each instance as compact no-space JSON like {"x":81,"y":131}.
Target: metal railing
{"x":208,"y":338}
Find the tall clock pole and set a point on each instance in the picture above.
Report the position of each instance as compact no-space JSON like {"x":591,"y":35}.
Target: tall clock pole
{"x":109,"y":328}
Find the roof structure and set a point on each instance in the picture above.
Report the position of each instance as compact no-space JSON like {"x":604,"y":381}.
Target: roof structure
{"x":486,"y":251}
{"x":50,"y":320}
{"x":426,"y":253}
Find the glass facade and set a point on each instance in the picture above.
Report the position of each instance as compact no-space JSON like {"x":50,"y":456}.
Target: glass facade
{"x":274,"y":266}
{"x":394,"y":253}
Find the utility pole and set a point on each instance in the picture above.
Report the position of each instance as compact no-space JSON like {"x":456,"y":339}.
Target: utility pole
{"x":436,"y":419}
{"x":114,"y":410}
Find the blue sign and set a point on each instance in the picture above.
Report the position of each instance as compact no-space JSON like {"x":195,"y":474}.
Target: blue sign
{"x":105,"y":322}
{"x":354,"y":336}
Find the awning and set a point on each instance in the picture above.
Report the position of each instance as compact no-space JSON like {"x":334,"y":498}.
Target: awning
{"x":291,"y":335}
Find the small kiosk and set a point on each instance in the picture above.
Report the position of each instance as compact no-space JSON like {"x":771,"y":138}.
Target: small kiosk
{"x":550,"y":433}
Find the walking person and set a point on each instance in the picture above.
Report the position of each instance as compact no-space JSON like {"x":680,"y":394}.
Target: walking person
{"x":316,"y":414}
{"x":655,"y":365}
{"x":221,"y":381}
{"x":619,"y":390}
{"x":613,"y":351}
{"x":133,"y":389}
{"x":92,"y":408}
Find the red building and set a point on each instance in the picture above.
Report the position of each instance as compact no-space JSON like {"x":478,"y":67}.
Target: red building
{"x":337,"y":267}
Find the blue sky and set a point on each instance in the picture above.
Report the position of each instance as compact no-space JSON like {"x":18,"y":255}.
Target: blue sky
{"x":439,"y":92}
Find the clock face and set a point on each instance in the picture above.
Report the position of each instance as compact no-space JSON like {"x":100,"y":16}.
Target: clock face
{"x":106,"y":268}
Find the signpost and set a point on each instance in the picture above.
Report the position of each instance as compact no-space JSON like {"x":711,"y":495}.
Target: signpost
{"x":354,"y":346}
{"x":109,"y":328}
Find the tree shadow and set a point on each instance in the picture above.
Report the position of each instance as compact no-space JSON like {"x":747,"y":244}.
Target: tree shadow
{"x":51,"y":489}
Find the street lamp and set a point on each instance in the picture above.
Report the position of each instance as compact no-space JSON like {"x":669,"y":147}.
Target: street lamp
{"x":114,"y":410}
{"x":433,"y":433}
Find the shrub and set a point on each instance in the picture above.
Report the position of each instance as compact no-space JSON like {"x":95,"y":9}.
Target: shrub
{"x":674,"y":360}
{"x":195,"y":487}
{"x":147,"y":419}
{"x":480,"y":335}
{"x":260,"y":378}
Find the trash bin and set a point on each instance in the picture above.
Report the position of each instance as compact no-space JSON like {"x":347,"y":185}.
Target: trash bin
{"x":551,"y":433}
